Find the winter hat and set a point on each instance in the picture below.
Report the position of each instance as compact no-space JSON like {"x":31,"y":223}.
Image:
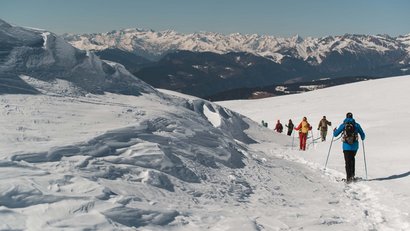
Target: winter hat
{"x":349,"y":115}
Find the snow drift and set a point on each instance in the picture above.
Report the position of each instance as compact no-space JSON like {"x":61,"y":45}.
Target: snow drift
{"x":47,"y":57}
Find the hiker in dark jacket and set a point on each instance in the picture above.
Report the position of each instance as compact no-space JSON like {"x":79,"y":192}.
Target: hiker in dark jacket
{"x":350,"y":144}
{"x":290,"y":127}
{"x":278,"y":127}
{"x":323,"y":127}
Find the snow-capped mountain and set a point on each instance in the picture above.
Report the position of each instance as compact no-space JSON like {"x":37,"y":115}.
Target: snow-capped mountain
{"x":42,"y":55}
{"x":207,"y":64}
{"x":405,"y":40}
{"x":152,"y":44}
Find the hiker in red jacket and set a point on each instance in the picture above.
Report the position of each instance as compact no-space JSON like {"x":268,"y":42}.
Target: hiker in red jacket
{"x":303,"y":128}
{"x":278,"y":127}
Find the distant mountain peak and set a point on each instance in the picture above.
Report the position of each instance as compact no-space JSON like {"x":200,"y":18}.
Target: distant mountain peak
{"x":154,"y":45}
{"x":297,"y":39}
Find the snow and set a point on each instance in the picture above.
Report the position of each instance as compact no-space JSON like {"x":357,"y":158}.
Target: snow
{"x":149,"y":162}
{"x":55,"y":87}
{"x":312,"y":87}
{"x":76,"y":158}
{"x":45,"y":56}
{"x":281,"y":88}
{"x":45,"y":35}
{"x":380,"y":107}
{"x":178,"y":94}
{"x":212,"y":116}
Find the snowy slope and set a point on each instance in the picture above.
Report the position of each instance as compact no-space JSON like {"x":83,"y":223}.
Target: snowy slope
{"x":380,"y":106}
{"x":152,"y":44}
{"x":44,"y":56}
{"x":105,"y":162}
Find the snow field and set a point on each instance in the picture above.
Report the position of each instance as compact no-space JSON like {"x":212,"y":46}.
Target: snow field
{"x":380,"y":107}
{"x":145,"y":163}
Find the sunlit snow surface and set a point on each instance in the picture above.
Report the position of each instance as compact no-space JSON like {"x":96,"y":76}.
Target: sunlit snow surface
{"x":157,"y":162}
{"x":383,"y":110}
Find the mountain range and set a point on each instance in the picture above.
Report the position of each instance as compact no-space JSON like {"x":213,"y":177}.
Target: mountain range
{"x":205,"y":63}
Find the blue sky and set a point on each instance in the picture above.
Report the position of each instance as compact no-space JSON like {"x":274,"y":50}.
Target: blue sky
{"x":273,"y":17}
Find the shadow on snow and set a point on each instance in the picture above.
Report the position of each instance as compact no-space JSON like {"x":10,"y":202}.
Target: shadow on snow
{"x":392,"y":177}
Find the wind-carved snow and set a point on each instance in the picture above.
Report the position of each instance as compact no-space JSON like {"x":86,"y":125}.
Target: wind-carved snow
{"x":153,"y":148}
{"x":55,"y":87}
{"x":46,"y":56}
{"x":212,"y":116}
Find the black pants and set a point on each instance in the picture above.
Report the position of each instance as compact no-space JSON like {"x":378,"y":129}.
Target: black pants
{"x":349,"y":163}
{"x":289,"y":132}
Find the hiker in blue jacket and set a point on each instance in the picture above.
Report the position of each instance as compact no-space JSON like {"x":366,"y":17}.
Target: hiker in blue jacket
{"x":350,"y":129}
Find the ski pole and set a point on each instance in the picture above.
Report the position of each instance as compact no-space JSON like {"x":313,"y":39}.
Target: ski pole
{"x":293,"y":138}
{"x":338,"y":138}
{"x":364,"y":157}
{"x":313,"y":139}
{"x":328,"y":153}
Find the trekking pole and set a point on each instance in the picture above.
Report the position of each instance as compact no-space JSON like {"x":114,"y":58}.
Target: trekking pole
{"x":313,"y":139}
{"x":364,"y":157}
{"x":328,"y":153}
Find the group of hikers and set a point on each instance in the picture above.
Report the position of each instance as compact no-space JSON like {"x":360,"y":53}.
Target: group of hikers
{"x":304,"y":127}
{"x":350,"y":130}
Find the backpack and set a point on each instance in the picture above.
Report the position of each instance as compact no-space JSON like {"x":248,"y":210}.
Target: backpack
{"x":305,"y":127}
{"x":349,"y":133}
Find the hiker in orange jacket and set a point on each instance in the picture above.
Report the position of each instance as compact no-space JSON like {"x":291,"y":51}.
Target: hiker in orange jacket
{"x":303,"y":128}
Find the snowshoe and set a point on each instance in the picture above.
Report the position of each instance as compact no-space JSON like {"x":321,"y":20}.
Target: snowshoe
{"x":352,"y":180}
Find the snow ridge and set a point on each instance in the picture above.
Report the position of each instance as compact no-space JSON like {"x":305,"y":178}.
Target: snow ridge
{"x":47,"y":57}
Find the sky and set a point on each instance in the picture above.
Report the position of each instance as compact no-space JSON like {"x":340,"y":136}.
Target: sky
{"x":282,"y":18}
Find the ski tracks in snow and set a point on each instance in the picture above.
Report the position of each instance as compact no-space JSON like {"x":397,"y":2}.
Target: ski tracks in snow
{"x":361,"y":198}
